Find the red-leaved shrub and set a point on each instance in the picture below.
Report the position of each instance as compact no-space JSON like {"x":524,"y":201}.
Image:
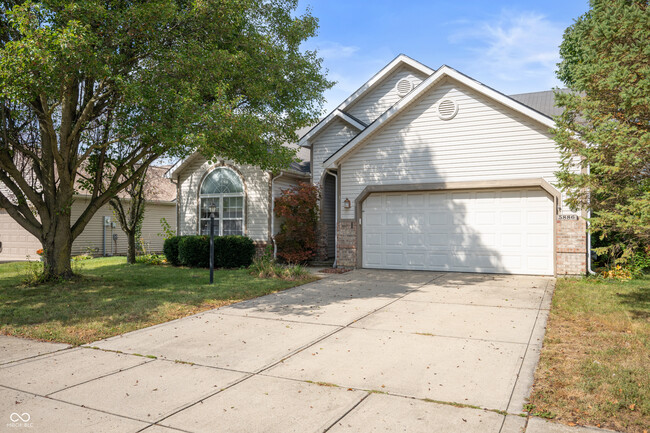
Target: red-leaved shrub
{"x":297,"y":240}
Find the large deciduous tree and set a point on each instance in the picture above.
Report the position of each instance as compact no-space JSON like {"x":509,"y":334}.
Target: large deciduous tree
{"x":87,"y":86}
{"x":605,"y":127}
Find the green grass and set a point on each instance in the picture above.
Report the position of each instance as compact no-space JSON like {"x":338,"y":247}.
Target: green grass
{"x":595,"y":363}
{"x":110,"y":297}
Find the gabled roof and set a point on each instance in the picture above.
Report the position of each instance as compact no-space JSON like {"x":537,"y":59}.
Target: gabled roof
{"x":543,"y":101}
{"x":336,"y":114}
{"x":397,"y":62}
{"x":431,"y":81}
{"x":339,"y":112}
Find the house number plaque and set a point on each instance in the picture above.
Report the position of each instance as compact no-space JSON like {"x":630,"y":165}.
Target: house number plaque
{"x":567,"y":217}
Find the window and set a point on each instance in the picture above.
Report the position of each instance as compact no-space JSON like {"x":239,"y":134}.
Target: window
{"x":223,"y":188}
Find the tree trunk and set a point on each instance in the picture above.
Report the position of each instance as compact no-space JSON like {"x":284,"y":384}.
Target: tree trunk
{"x":57,"y":250}
{"x":130,"y":252}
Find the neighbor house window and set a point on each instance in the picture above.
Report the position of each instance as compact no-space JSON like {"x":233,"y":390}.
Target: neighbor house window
{"x":223,"y":188}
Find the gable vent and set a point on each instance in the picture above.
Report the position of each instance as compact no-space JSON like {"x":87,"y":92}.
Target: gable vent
{"x":447,"y":109}
{"x":404,"y":86}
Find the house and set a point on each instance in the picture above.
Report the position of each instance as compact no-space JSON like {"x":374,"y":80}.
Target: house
{"x":102,"y":235}
{"x":419,"y":169}
{"x":242,"y":195}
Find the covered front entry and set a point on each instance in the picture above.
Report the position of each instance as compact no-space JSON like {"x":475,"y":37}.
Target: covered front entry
{"x":495,"y":231}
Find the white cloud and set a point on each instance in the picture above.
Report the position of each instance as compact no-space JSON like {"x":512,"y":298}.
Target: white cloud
{"x":513,"y":52}
{"x":334,"y":50}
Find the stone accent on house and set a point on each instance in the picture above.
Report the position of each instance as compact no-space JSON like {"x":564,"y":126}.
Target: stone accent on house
{"x":321,"y":251}
{"x":347,"y":244}
{"x":260,"y":248}
{"x":571,"y":244}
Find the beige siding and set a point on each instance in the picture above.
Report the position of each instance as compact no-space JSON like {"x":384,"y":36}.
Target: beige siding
{"x":92,"y":236}
{"x":327,"y":142}
{"x":371,"y":106}
{"x":17,"y":243}
{"x":485,"y":141}
{"x":257,"y":197}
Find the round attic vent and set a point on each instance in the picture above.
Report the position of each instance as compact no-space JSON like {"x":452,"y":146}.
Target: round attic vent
{"x":447,"y":109}
{"x":404,"y":86}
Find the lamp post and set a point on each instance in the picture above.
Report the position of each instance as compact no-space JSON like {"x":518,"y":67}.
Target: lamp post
{"x":212,"y":208}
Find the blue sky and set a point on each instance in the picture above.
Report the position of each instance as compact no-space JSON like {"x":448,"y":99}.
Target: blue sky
{"x":511,"y":46}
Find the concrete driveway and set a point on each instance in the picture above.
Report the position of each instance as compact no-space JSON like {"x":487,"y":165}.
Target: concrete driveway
{"x":365,"y":351}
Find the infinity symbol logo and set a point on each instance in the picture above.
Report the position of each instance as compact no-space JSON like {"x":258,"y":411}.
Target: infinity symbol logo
{"x":15,"y":417}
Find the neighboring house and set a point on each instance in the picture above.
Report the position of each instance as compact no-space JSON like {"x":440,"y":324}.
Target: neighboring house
{"x":97,"y":237}
{"x":418,"y":169}
{"x":242,"y":195}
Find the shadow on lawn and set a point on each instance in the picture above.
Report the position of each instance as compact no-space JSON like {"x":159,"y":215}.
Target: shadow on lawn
{"x":115,"y":294}
{"x":639,"y":301}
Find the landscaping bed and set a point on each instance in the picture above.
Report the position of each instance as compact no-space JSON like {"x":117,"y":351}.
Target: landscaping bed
{"x":595,"y":363}
{"x":111,"y":298}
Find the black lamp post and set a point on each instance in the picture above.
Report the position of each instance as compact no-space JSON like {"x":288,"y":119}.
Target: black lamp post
{"x":212,"y":208}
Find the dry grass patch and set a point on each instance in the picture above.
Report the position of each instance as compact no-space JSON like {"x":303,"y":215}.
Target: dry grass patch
{"x":595,"y":364}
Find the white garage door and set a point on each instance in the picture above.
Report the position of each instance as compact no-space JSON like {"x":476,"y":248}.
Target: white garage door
{"x":497,"y":231}
{"x":17,"y":243}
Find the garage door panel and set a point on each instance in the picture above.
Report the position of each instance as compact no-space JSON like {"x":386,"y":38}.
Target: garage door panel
{"x":503,"y":231}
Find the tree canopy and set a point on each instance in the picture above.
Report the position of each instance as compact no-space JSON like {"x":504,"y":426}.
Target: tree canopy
{"x":89,"y":90}
{"x":604,"y":132}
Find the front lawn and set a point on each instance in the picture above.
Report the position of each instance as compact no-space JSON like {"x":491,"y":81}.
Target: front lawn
{"x":595,"y":363}
{"x":112,"y":297}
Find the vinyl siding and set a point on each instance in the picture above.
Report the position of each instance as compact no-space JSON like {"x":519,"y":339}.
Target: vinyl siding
{"x":92,"y":236}
{"x":17,"y":243}
{"x":485,"y":141}
{"x":327,"y":142}
{"x":257,"y":197}
{"x":329,"y":212}
{"x":371,"y":106}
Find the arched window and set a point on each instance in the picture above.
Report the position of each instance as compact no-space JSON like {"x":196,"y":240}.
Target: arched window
{"x":223,"y":188}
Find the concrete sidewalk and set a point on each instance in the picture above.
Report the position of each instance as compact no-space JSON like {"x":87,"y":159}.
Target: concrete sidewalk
{"x":358,"y":352}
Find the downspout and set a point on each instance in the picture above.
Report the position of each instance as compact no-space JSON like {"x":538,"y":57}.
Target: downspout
{"x":275,"y":246}
{"x":589,"y":270}
{"x":336,"y":215}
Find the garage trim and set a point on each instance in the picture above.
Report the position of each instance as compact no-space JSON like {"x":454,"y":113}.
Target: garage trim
{"x":456,"y":186}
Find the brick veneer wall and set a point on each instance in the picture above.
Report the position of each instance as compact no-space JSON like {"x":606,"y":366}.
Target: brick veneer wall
{"x":347,"y":244}
{"x":321,"y":250}
{"x":571,"y":238}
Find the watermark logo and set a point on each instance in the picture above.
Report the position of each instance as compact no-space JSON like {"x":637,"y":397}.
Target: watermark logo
{"x":20,"y":420}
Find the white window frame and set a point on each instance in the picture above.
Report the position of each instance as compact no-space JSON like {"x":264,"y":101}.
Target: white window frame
{"x":219,"y":221}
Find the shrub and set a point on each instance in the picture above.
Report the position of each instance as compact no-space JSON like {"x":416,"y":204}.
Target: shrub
{"x":150,"y":259}
{"x":297,"y":240}
{"x":229,"y":251}
{"x":232,"y":251}
{"x":194,"y":251}
{"x":262,"y":267}
{"x":170,"y":249}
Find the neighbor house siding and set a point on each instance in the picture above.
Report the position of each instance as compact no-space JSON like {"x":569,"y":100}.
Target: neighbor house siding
{"x":485,"y":141}
{"x":327,"y":142}
{"x":92,"y":236}
{"x":371,"y":106}
{"x":257,"y":197}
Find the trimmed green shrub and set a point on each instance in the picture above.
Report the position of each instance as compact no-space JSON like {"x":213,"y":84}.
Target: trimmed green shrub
{"x":229,"y":251}
{"x":232,"y":251}
{"x":194,"y":251}
{"x":170,"y":249}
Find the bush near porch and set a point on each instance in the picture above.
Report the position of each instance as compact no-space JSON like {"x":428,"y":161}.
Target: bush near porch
{"x":110,"y":297}
{"x":194,"y":251}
